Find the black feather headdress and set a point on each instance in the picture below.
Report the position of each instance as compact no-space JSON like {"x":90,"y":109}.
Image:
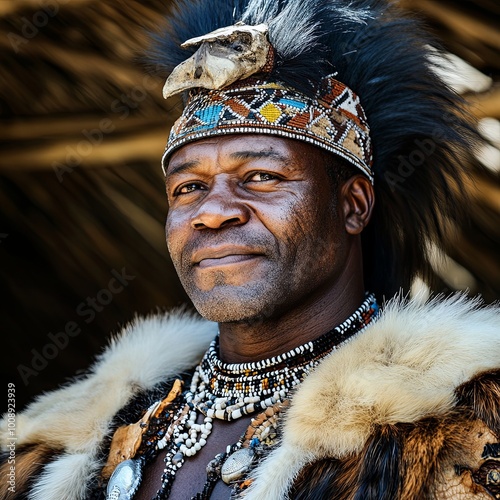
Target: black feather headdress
{"x":422,"y":138}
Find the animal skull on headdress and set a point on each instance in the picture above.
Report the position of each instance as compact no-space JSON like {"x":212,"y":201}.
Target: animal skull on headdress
{"x":224,"y":56}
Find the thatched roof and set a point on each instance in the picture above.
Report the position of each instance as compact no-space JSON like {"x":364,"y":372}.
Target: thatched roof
{"x":84,"y":126}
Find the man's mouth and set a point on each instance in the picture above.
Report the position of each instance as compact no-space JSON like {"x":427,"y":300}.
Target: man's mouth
{"x":224,"y":255}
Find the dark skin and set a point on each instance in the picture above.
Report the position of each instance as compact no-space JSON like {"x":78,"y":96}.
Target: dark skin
{"x":262,"y":247}
{"x":259,"y":244}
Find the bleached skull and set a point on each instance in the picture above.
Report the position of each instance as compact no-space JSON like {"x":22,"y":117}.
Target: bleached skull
{"x":224,"y":56}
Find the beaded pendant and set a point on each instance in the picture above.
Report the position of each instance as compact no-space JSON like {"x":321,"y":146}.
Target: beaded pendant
{"x":125,"y":480}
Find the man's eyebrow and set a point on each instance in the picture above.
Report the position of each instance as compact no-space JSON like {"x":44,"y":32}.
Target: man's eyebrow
{"x":237,"y":155}
{"x":177,"y":169}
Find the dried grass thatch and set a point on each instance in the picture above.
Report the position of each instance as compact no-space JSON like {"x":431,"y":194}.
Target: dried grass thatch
{"x":83,"y":128}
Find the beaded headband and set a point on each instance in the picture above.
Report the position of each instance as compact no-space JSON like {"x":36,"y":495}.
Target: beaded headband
{"x":226,"y":101}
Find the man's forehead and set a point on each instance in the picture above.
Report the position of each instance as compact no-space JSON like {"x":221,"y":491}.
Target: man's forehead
{"x":238,"y":147}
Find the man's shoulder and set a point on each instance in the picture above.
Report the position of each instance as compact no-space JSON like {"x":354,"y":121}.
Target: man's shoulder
{"x":147,"y":351}
{"x":74,"y":420}
{"x":403,"y":367}
{"x":422,"y":370}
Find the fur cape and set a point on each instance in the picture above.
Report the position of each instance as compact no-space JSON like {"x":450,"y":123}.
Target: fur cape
{"x":410,"y":408}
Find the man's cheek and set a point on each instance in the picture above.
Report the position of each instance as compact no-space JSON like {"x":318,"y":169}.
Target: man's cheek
{"x":174,"y":247}
{"x":172,"y":234}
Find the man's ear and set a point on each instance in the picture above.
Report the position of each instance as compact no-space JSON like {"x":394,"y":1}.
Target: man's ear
{"x":357,"y":198}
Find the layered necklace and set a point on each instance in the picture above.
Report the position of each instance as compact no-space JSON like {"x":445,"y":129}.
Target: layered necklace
{"x":228,"y":391}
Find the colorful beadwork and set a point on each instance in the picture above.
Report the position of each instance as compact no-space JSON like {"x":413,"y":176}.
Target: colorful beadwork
{"x":229,"y":391}
{"x":334,"y":120}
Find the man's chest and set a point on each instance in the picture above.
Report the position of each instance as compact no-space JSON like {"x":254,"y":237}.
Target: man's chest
{"x":190,"y":479}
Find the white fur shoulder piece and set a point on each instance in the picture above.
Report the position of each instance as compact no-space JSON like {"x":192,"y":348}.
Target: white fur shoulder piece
{"x":76,"y":417}
{"x":404,"y":366}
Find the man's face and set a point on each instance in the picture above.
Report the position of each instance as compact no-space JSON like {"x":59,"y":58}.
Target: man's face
{"x":252,"y":227}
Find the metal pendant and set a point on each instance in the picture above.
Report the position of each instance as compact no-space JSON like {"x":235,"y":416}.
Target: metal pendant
{"x":237,"y":464}
{"x":125,"y":480}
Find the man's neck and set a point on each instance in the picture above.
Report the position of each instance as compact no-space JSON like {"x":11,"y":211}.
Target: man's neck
{"x":270,"y":336}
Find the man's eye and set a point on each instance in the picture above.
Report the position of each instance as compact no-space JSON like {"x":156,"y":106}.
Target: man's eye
{"x":187,"y":188}
{"x":262,"y":177}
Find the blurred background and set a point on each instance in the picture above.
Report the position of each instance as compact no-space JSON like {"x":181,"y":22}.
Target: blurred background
{"x":82,"y":203}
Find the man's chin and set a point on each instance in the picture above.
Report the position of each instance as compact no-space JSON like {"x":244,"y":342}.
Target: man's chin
{"x":228,"y":314}
{"x":234,"y":310}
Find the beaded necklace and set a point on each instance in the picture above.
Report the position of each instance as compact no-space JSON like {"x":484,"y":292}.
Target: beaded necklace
{"x":228,"y":391}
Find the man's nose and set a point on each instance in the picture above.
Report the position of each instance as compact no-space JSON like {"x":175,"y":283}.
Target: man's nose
{"x":220,"y":208}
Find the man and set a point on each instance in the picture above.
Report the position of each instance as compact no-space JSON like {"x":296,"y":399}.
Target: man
{"x":308,"y":390}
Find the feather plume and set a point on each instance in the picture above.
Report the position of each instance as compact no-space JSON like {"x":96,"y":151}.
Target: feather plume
{"x":422,"y":139}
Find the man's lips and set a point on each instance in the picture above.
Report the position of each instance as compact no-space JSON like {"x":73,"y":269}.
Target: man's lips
{"x":221,"y":256}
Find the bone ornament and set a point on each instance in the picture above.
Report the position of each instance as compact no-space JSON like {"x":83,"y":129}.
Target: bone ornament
{"x":224,"y":56}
